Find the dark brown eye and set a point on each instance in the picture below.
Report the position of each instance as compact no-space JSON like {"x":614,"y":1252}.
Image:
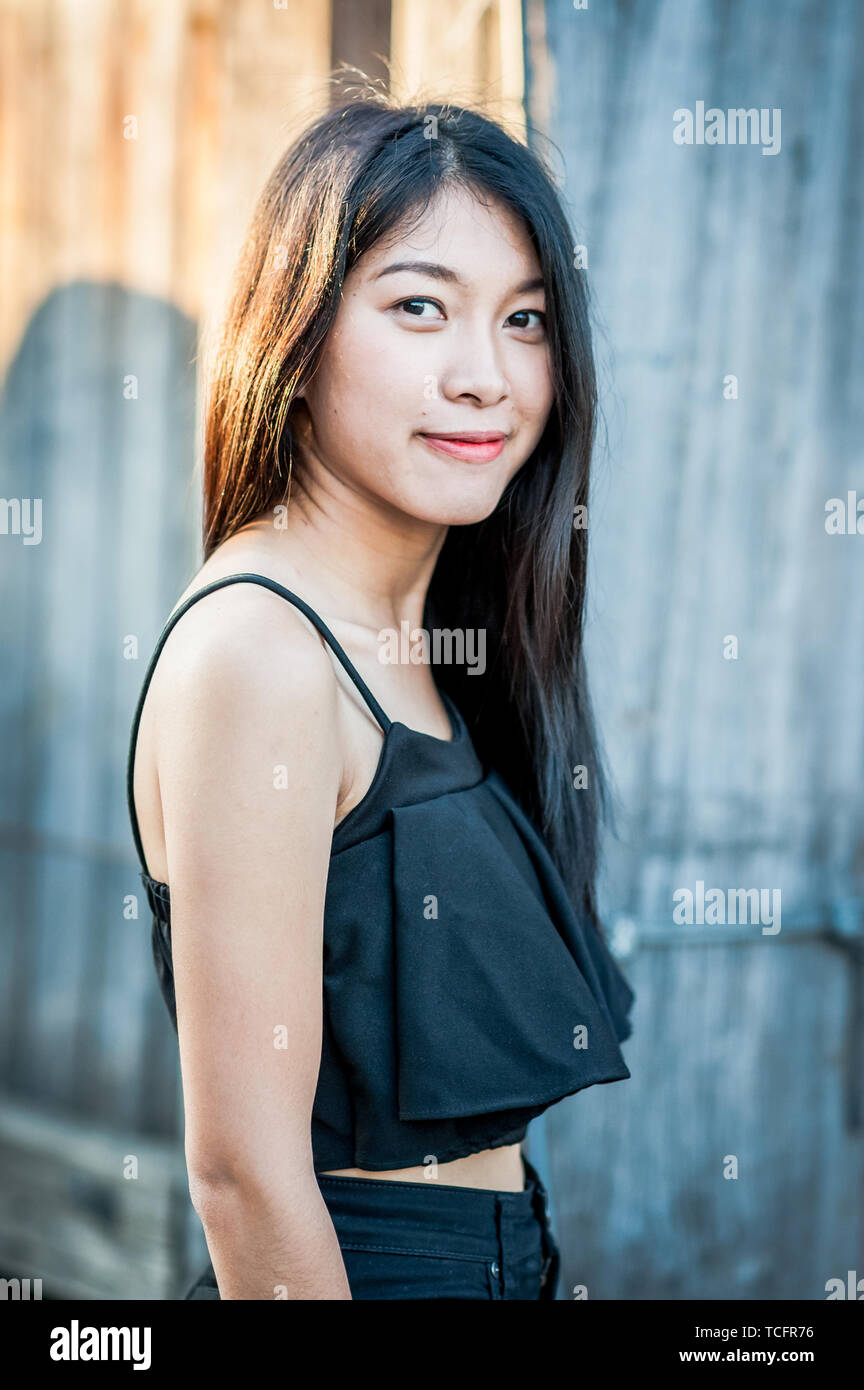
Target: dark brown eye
{"x":419,"y":300}
{"x":523,"y":313}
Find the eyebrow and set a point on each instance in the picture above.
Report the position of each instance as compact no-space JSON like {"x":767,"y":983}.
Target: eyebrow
{"x":443,"y":272}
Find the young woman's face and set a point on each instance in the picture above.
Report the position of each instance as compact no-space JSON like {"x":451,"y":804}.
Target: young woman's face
{"x":454,"y":346}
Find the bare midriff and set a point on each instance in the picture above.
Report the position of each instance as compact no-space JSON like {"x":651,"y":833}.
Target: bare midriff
{"x":499,"y":1170}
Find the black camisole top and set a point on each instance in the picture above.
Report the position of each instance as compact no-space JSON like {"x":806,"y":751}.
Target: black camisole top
{"x":462,"y":994}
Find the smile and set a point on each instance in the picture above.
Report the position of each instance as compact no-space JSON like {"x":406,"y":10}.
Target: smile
{"x":474,"y":446}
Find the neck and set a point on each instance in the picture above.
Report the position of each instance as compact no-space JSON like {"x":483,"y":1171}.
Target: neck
{"x":374,"y":562}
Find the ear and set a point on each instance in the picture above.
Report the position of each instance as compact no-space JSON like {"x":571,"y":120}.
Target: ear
{"x":299,"y":417}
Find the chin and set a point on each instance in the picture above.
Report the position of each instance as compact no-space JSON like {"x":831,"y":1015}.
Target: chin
{"x":455,"y":511}
{"x":447,"y":500}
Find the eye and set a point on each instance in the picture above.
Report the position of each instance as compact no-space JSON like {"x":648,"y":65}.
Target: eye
{"x":419,"y":300}
{"x":521,"y":313}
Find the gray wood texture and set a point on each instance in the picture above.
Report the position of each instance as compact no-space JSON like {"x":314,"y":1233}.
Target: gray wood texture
{"x":708,"y":520}
{"x":91,"y":1212}
{"x":78,"y":1015}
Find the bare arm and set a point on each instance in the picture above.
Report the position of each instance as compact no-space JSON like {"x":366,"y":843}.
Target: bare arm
{"x":249,"y":771}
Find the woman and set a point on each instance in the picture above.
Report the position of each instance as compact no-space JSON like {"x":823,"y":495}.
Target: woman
{"x":380,"y":946}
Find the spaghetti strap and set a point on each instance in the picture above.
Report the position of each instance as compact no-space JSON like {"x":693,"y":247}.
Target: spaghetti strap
{"x":293,"y":598}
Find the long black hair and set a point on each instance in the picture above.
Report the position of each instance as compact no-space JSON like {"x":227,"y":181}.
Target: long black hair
{"x":355,"y":175}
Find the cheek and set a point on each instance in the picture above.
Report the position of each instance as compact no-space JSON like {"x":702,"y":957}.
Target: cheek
{"x":342,"y":400}
{"x":368,"y":377}
{"x":534,"y":401}
{"x":538,"y":395}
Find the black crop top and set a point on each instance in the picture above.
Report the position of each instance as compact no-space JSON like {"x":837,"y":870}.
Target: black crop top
{"x":462,"y":993}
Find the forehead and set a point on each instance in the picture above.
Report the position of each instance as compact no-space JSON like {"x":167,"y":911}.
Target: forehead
{"x":473,"y":233}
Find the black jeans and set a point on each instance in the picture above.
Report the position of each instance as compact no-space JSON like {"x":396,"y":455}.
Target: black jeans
{"x":419,"y":1240}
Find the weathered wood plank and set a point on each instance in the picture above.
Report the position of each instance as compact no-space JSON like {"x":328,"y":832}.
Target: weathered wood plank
{"x":92,"y":1211}
{"x":708,"y":520}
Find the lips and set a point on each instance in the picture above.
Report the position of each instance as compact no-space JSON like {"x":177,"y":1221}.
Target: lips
{"x":472,"y":446}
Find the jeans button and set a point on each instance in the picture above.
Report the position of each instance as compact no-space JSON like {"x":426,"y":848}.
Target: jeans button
{"x":494,"y":1268}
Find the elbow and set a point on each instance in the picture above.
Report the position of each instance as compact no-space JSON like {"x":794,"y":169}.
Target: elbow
{"x":209,"y":1187}
{"x":216,"y":1181}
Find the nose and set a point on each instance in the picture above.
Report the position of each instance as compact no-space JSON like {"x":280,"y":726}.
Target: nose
{"x":473,"y":369}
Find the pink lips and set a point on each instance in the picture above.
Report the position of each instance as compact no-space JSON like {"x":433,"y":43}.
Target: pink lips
{"x":474,"y":446}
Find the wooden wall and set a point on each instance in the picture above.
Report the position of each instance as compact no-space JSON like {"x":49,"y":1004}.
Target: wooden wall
{"x":708,"y":521}
{"x":135,"y":137}
{"x":466,"y":50}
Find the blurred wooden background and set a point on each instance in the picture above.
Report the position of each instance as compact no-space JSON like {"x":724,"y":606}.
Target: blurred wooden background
{"x":708,"y":521}
{"x":135,"y":138}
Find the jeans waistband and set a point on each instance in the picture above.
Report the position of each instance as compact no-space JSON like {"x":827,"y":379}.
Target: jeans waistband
{"x":432,"y":1217}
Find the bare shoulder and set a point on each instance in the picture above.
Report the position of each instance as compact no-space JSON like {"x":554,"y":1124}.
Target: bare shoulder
{"x":245,"y":684}
{"x":245,"y":637}
{"x":244,"y":751}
